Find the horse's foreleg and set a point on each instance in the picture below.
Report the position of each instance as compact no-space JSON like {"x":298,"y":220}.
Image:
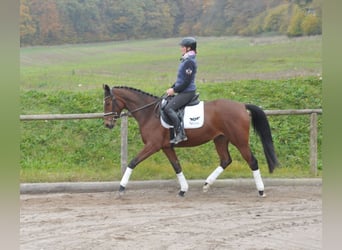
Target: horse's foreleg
{"x":221,"y":144}
{"x":143,"y":154}
{"x":127,"y":175}
{"x":171,"y":155}
{"x":183,"y":184}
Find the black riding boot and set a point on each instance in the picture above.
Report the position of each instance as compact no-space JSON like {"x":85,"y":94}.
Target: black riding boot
{"x":180,"y":135}
{"x":179,"y":132}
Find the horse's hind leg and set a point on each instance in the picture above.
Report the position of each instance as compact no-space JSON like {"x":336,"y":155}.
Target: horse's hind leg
{"x":221,"y":144}
{"x":253,"y":164}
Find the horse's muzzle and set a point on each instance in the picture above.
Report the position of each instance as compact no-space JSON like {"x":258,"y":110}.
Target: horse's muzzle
{"x":109,"y":125}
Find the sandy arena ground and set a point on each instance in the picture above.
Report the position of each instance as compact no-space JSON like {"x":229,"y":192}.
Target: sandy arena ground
{"x":290,"y":217}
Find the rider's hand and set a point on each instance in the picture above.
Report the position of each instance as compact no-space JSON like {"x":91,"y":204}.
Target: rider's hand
{"x":170,"y":91}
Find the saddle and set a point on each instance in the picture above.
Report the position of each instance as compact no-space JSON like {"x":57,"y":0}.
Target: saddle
{"x":191,"y":115}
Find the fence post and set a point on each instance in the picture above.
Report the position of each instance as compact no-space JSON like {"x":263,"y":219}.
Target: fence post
{"x":124,"y":133}
{"x":313,"y":143}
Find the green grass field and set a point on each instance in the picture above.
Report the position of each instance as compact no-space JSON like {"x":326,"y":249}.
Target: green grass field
{"x":274,"y":73}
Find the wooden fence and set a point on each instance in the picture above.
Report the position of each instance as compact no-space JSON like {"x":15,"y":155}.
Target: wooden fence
{"x":124,"y":128}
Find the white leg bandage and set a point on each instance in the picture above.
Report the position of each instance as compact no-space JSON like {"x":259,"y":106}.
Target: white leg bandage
{"x":258,"y":181}
{"x":182,"y":181}
{"x":213,"y":176}
{"x":126,"y":176}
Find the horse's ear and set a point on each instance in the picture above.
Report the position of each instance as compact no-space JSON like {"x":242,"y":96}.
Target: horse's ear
{"x":106,"y":87}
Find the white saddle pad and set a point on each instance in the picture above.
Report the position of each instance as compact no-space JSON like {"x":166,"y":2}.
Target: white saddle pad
{"x":193,"y":117}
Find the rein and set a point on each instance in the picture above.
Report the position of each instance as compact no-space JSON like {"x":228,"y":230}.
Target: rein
{"x":145,"y":106}
{"x":117,"y":116}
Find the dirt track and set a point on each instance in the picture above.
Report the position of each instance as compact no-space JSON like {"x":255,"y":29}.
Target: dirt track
{"x":290,"y":217}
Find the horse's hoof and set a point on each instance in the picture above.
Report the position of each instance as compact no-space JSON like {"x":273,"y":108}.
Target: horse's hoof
{"x":206,"y":187}
{"x":122,"y":189}
{"x":120,"y":195}
{"x":262,"y":194}
{"x":181,"y":193}
{"x":121,"y":192}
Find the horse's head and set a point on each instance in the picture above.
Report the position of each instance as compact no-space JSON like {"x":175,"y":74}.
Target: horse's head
{"x":111,"y":108}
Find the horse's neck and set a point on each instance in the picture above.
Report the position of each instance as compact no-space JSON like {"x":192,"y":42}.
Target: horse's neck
{"x":134,"y":102}
{"x":138,"y":105}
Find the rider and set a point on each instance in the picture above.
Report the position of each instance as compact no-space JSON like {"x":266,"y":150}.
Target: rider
{"x":184,"y":86}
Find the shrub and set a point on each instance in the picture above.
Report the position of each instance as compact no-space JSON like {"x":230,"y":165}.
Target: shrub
{"x":311,"y":25}
{"x":295,"y":28}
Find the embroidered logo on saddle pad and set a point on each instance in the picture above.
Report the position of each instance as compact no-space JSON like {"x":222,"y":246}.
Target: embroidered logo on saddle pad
{"x":193,"y":117}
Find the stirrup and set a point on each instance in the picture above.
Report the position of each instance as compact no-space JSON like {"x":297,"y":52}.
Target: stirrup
{"x":178,"y":138}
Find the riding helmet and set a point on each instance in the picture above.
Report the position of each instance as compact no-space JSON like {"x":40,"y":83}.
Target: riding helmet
{"x":189,"y":42}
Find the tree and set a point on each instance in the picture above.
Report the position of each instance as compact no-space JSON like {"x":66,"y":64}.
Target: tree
{"x":191,"y":14}
{"x":27,"y":26}
{"x":74,"y":21}
{"x":81,"y":19}
{"x":277,"y":19}
{"x":158,"y":20}
{"x":295,"y":27}
{"x":311,"y":25}
{"x":125,"y":18}
{"x":46,"y":18}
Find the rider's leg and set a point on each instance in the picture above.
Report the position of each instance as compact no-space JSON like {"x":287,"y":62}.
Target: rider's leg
{"x":174,"y":104}
{"x":179,"y":136}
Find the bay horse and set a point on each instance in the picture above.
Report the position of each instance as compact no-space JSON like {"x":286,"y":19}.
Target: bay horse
{"x":225,"y":122}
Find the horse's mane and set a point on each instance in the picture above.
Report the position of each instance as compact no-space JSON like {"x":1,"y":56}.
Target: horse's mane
{"x":136,"y":90}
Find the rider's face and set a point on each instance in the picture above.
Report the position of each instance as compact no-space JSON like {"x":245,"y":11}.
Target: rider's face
{"x":183,"y":50}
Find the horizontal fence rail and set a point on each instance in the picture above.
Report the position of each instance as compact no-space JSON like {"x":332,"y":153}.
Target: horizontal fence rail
{"x":61,"y":116}
{"x":100,"y":115}
{"x":124,"y":128}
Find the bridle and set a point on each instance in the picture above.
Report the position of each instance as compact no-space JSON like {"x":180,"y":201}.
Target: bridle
{"x":112,"y":113}
{"x":117,"y":116}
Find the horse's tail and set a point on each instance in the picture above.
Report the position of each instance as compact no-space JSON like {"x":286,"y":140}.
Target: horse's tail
{"x":262,"y":128}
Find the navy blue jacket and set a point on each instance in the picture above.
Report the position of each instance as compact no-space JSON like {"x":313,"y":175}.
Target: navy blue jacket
{"x":186,"y":74}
